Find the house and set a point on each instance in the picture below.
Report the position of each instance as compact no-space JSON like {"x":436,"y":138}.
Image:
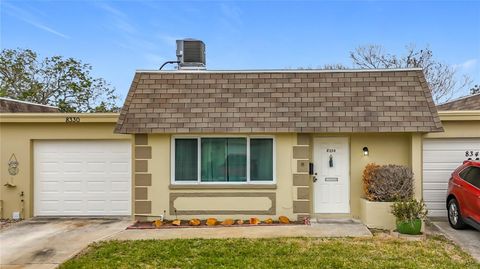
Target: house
{"x":63,"y":164}
{"x":233,"y":144}
{"x":8,"y":105}
{"x":444,"y":151}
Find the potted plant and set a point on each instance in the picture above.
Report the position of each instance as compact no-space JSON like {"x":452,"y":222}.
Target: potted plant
{"x":409,"y":216}
{"x":382,"y":186}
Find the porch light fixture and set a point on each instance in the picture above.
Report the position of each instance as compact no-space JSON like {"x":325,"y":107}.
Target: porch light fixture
{"x":365,"y":151}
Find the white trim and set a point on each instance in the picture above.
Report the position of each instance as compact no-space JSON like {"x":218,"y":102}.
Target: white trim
{"x":281,"y":70}
{"x":199,"y":182}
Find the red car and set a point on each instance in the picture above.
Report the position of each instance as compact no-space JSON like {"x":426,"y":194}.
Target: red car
{"x":463,"y":200}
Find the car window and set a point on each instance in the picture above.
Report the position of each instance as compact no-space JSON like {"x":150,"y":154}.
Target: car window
{"x":473,"y":176}
{"x":464,"y":173}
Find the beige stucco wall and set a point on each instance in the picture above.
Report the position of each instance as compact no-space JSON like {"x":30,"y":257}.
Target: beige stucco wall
{"x":17,"y":138}
{"x":18,"y":132}
{"x":160,"y":191}
{"x":383,"y":149}
{"x":458,"y":129}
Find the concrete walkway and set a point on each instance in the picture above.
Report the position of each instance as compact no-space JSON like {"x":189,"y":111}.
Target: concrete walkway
{"x":46,"y":243}
{"x":468,"y":239}
{"x":315,"y":230}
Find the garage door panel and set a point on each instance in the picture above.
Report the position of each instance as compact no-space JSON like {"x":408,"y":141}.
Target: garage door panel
{"x":451,"y":144}
{"x":435,"y":195}
{"x":80,"y":177}
{"x":440,"y":158}
{"x":436,"y":186}
{"x":119,"y":167}
{"x":443,"y":156}
{"x":447,"y":167}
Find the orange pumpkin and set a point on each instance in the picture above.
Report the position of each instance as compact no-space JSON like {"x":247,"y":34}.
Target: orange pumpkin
{"x":228,"y":222}
{"x":283,"y":220}
{"x":268,"y":221}
{"x":194,"y":222}
{"x":254,"y":221}
{"x":212,"y":222}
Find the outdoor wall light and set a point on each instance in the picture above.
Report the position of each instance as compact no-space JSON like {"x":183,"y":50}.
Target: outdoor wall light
{"x":365,"y":151}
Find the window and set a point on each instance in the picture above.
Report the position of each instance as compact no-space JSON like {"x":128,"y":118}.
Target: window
{"x":261,"y":159}
{"x":471,"y":175}
{"x":186,"y":159}
{"x":223,"y":160}
{"x":464,"y":173}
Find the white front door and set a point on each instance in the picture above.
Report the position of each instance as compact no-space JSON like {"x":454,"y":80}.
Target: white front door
{"x":331,"y":192}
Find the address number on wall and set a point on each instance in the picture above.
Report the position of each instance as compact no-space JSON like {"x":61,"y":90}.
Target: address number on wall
{"x":72,"y":119}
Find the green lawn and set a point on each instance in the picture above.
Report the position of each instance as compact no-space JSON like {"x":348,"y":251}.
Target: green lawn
{"x":368,"y":253}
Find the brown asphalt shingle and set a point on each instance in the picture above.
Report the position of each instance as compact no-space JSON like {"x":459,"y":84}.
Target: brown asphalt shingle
{"x":278,"y":101}
{"x":15,"y":106}
{"x":471,"y":102}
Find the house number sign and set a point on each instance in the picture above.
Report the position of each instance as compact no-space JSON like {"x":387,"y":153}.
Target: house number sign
{"x":72,"y":119}
{"x":331,"y":150}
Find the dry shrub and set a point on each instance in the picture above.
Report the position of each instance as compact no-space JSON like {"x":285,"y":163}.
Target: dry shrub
{"x":388,"y":183}
{"x":367,"y":179}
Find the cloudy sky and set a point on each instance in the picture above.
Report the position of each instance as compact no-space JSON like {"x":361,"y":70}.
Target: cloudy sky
{"x":118,"y":37}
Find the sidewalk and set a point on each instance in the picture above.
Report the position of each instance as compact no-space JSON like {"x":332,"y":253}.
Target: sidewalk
{"x":315,"y":230}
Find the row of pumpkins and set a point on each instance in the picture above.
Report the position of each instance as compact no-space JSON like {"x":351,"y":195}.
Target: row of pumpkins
{"x":226,"y":222}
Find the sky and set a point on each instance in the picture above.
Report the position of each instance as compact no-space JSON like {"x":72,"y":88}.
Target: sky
{"x":119,"y":37}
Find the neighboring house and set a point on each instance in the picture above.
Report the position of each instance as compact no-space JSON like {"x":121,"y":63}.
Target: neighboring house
{"x":469,"y":102}
{"x":233,"y":144}
{"x":445,"y":151}
{"x":63,"y":164}
{"x":8,"y":105}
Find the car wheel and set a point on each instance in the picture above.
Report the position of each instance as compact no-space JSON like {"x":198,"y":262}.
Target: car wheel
{"x":454,"y":216}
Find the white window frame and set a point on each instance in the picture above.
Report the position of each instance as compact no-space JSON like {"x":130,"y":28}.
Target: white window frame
{"x":199,"y":176}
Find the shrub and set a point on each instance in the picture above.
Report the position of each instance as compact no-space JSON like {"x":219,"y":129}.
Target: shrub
{"x":367,"y":176}
{"x":388,"y":183}
{"x":406,"y":211}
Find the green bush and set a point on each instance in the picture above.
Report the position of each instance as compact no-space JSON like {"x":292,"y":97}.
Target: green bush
{"x":407,"y":211}
{"x":389,"y":183}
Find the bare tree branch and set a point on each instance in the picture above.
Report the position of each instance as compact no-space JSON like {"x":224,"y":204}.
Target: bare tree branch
{"x":441,"y":78}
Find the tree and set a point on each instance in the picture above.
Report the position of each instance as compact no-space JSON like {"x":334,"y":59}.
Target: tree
{"x":441,"y":78}
{"x":58,"y":81}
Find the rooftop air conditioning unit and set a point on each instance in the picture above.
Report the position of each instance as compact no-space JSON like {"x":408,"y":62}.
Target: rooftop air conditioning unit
{"x":191,"y":54}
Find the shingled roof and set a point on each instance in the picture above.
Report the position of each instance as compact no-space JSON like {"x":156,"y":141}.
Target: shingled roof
{"x":471,"y":102}
{"x":304,"y":101}
{"x":8,"y":105}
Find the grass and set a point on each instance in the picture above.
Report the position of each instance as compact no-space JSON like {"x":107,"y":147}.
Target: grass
{"x":376,"y":252}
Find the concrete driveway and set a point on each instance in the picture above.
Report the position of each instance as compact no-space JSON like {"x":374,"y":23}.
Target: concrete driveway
{"x":46,"y":243}
{"x":468,"y":239}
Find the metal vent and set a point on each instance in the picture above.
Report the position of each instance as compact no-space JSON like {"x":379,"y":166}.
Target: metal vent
{"x":191,"y":54}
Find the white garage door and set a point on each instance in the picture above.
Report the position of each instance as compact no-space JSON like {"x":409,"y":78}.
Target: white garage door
{"x":82,"y":178}
{"x":440,"y":158}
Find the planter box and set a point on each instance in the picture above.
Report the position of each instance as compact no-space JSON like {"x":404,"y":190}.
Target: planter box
{"x":377,"y":214}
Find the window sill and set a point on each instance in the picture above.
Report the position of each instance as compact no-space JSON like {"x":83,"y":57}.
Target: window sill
{"x":223,"y":186}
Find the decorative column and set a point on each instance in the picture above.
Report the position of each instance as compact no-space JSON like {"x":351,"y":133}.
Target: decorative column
{"x":143,"y":179}
{"x":301,"y":177}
